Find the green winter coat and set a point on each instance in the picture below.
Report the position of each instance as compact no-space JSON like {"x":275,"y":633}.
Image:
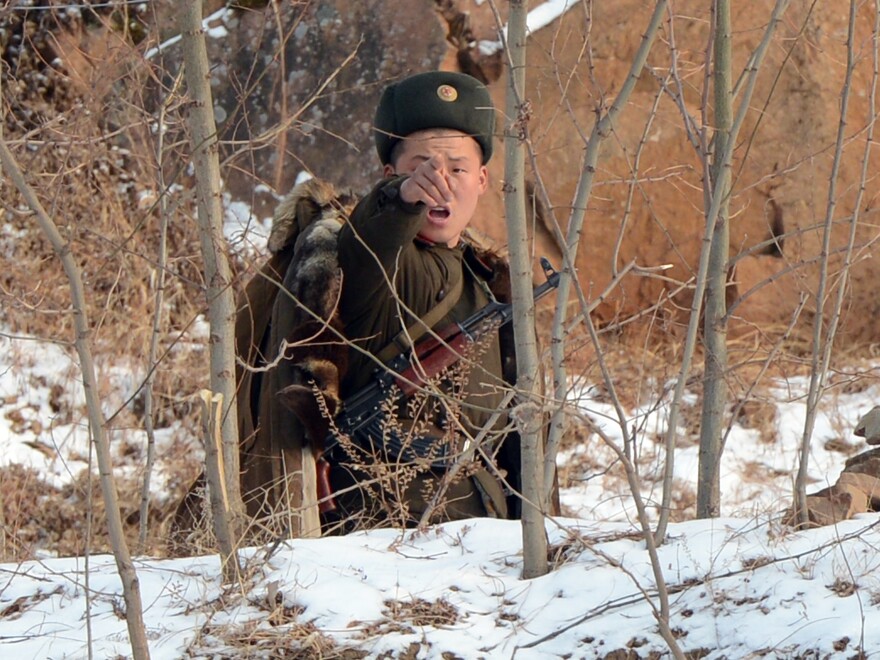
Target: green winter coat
{"x":392,"y":279}
{"x":299,"y":296}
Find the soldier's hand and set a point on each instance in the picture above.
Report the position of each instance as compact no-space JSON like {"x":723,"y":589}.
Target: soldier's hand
{"x":428,"y":183}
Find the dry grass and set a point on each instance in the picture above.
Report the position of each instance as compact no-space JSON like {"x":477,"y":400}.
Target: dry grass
{"x":87,"y":144}
{"x":418,"y":612}
{"x":40,"y":517}
{"x":269,"y":639}
{"x":90,"y":159}
{"x":87,"y":153}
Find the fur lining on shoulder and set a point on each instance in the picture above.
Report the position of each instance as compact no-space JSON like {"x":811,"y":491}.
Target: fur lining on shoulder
{"x":309,"y":220}
{"x":308,"y":201}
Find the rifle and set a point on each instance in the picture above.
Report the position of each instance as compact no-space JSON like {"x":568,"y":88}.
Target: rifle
{"x":362,"y":414}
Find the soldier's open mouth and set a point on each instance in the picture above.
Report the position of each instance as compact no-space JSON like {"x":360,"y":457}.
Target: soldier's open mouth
{"x":438,"y":214}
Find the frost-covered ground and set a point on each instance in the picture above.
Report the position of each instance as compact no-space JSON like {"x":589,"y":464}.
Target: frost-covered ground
{"x":759,"y":461}
{"x":739,"y":586}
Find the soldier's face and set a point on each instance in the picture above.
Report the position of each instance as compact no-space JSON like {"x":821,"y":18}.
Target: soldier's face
{"x":455,"y":161}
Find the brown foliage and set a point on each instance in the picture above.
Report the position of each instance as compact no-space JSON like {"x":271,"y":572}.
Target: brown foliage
{"x":79,"y":112}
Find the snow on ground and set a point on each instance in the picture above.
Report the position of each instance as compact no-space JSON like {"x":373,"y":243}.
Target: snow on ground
{"x":739,"y":585}
{"x":737,"y":588}
{"x":42,"y":420}
{"x":757,"y":467}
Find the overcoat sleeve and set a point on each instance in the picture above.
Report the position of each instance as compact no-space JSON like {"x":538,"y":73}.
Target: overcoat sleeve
{"x":390,"y":279}
{"x":381,"y":226}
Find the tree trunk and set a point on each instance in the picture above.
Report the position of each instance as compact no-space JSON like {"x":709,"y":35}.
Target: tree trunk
{"x":715,"y":321}
{"x":223,"y":473}
{"x":714,"y":205}
{"x":158,"y":315}
{"x":131,"y":593}
{"x":529,"y":409}
{"x":821,"y":349}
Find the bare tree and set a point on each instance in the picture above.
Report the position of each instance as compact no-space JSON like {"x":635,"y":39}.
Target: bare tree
{"x":529,"y":411}
{"x":130,"y":585}
{"x":222,"y":467}
{"x":714,"y":203}
{"x":715,"y":322}
{"x":823,"y":342}
{"x":158,"y":314}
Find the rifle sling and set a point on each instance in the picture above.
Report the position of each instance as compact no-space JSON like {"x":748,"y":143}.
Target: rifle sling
{"x":408,"y":336}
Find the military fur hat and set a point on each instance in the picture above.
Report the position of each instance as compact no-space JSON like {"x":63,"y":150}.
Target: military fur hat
{"x":436,"y":99}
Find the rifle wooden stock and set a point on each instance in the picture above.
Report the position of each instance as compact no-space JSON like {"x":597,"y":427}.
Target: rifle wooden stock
{"x":433,"y":356}
{"x":326,"y":503}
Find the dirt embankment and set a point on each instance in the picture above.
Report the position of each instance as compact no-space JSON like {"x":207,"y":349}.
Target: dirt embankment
{"x":647,"y":203}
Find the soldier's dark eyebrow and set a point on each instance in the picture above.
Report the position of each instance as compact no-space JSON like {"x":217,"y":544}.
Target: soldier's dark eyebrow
{"x":452,"y":159}
{"x":421,"y":158}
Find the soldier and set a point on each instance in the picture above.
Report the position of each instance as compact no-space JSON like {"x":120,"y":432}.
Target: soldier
{"x":356,"y":294}
{"x":403,"y":255}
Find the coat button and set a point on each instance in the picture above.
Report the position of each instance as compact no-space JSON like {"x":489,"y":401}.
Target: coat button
{"x":441,"y":294}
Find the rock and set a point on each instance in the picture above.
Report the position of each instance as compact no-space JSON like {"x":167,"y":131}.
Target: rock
{"x":857,"y":490}
{"x":322,"y":90}
{"x":853,"y":493}
{"x":296,"y":86}
{"x":829,"y":506}
{"x":868,"y":462}
{"x":869,"y":426}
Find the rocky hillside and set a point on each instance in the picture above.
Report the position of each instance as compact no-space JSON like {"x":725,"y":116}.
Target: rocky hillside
{"x":648,"y":203}
{"x":295,"y":85}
